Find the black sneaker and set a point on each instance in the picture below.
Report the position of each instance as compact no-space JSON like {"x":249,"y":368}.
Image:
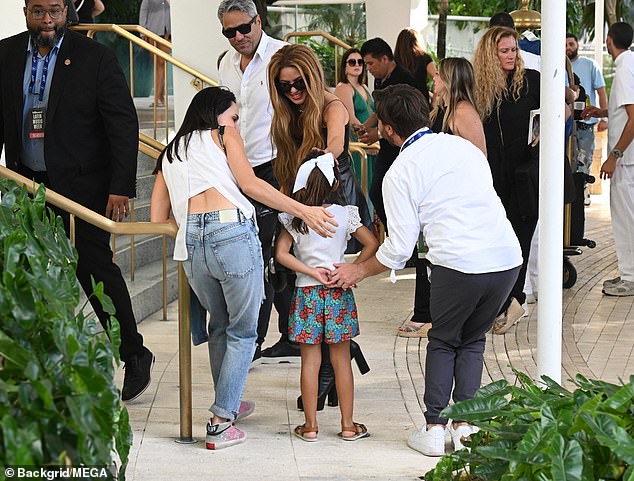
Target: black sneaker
{"x":257,"y":356}
{"x":137,"y":375}
{"x":281,"y":351}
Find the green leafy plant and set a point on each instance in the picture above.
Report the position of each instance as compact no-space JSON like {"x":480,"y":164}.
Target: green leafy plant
{"x":534,"y":433}
{"x":58,"y":402}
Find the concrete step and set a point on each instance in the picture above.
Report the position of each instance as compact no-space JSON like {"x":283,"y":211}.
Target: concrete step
{"x":147,"y":248}
{"x":146,"y":292}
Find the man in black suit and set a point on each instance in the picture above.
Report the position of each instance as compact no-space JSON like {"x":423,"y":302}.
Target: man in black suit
{"x":67,"y":120}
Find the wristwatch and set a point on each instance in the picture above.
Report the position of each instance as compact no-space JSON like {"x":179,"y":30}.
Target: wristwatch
{"x":617,"y":153}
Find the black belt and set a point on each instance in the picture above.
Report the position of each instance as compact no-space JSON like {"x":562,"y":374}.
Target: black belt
{"x":584,"y":126}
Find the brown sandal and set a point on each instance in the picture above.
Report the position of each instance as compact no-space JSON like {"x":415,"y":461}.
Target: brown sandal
{"x":300,"y":431}
{"x":359,"y":429}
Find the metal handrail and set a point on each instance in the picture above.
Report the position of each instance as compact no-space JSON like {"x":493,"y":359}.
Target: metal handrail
{"x":128,"y":32}
{"x":318,"y":33}
{"x":92,"y":28}
{"x":151,"y":142}
{"x":75,"y":209}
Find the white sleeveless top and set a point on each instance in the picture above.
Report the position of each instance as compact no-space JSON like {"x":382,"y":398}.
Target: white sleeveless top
{"x":204,"y":166}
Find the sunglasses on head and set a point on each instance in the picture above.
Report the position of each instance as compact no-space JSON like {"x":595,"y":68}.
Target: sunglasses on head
{"x":355,"y":61}
{"x":244,"y":29}
{"x":286,"y":87}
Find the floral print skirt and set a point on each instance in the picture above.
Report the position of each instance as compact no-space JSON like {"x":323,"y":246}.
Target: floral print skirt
{"x":322,"y":314}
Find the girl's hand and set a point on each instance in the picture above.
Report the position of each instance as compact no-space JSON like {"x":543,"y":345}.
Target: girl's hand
{"x":319,"y":220}
{"x":321,"y":274}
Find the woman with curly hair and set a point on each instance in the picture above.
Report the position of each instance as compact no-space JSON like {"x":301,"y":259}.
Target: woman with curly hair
{"x":505,"y":94}
{"x":306,"y":117}
{"x":410,"y":54}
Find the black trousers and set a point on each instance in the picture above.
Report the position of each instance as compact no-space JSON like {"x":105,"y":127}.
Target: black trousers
{"x":95,"y":260}
{"x":463,"y":307}
{"x":382,"y":163}
{"x":423,"y":291}
{"x":267,"y":225}
{"x":524,"y":228}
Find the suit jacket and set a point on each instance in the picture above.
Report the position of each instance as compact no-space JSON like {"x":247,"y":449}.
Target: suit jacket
{"x":91,"y":136}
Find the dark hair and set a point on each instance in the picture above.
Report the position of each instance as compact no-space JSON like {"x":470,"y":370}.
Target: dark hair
{"x":317,"y":191}
{"x":572,"y":35}
{"x":402,"y":107}
{"x":377,"y":47}
{"x":202,"y":114}
{"x":621,"y":35}
{"x":342,"y":69}
{"x":409,"y":51}
{"x":502,"y":19}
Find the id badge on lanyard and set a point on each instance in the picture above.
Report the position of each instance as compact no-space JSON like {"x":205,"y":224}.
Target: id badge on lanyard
{"x":36,"y":117}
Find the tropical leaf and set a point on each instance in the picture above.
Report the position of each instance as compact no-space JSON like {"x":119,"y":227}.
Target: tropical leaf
{"x":566,"y":458}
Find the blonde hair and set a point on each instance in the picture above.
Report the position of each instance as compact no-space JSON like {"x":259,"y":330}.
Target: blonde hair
{"x":491,"y":82}
{"x":291,"y":124}
{"x":459,"y":79}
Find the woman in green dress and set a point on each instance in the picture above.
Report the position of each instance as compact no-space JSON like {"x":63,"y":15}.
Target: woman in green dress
{"x":354,"y":93}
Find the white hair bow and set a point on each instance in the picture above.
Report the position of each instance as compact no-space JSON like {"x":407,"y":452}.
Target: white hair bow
{"x":325,"y":163}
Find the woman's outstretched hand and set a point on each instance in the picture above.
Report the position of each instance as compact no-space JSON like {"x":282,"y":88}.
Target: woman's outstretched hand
{"x":320,"y":220}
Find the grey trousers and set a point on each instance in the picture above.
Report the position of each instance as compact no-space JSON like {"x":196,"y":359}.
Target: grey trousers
{"x":463,"y":308}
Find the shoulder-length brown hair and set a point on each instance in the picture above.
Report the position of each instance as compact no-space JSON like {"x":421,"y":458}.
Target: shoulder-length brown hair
{"x":342,"y":68}
{"x":409,"y":49}
{"x":294,"y":130}
{"x":491,"y":82}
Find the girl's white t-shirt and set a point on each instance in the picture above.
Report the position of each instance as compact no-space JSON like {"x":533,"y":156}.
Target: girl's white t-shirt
{"x":317,"y":251}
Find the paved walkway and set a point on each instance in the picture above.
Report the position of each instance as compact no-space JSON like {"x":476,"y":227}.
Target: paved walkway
{"x":598,"y":342}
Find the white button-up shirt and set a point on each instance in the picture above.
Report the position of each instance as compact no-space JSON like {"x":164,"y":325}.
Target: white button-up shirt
{"x":441,"y":185}
{"x":252,"y":93}
{"x":622,"y":94}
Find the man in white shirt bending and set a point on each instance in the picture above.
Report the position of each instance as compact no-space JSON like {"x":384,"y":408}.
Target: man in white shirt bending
{"x":244,"y":71}
{"x":441,"y":185}
{"x":619,"y":166}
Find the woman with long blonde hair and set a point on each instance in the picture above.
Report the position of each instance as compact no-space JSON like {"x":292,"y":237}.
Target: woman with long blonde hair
{"x":505,"y":94}
{"x":307,"y":117}
{"x":455,"y":110}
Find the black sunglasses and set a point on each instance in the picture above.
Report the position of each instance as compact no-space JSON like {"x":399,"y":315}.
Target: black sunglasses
{"x":286,"y":87}
{"x":244,"y":29}
{"x":355,"y":61}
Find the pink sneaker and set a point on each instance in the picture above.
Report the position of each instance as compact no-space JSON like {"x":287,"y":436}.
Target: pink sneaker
{"x":246,"y":408}
{"x":224,"y":435}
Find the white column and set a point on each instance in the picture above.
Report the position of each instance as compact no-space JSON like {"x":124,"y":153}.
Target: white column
{"x":12,"y":20}
{"x":386,"y":18}
{"x":197,"y":40}
{"x":551,"y":190}
{"x":599,"y":22}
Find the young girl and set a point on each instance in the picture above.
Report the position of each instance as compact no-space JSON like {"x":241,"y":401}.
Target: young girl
{"x":321,"y":312}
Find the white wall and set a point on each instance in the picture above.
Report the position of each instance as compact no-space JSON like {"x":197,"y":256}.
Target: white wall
{"x":11,"y":18}
{"x":11,"y":22}
{"x":386,"y":19}
{"x":197,"y":40}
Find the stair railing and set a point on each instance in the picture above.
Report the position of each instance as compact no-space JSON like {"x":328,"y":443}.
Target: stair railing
{"x":76,"y":210}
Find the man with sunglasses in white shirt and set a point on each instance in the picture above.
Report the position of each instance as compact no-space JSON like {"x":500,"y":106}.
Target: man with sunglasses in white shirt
{"x":244,"y":71}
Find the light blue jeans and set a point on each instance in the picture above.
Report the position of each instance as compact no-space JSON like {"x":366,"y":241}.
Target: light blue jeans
{"x":585,"y":142}
{"x":224,"y":268}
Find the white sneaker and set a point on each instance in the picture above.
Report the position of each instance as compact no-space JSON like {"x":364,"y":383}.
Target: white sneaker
{"x":586,"y":196}
{"x":430,"y":442}
{"x":459,"y":434}
{"x":616,"y":280}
